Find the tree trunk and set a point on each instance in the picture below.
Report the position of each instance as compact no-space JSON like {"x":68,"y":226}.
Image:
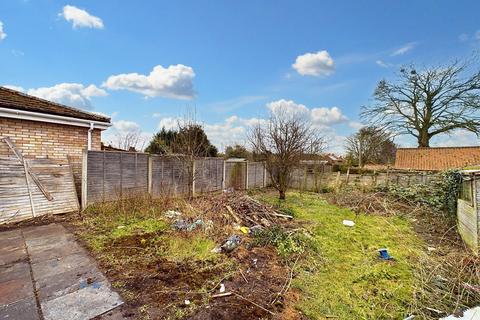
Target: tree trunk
{"x":281,"y":195}
{"x":424,"y":140}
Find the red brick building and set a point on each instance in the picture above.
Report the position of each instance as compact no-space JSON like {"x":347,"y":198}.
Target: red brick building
{"x":44,"y":129}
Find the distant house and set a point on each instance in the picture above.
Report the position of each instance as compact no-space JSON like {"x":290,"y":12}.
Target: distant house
{"x":44,"y":129}
{"x":333,"y":159}
{"x":436,"y":159}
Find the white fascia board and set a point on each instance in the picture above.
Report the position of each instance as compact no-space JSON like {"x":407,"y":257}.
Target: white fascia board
{"x":51,"y":118}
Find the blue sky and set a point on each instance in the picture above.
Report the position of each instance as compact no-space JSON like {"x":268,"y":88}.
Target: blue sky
{"x":145,"y":63}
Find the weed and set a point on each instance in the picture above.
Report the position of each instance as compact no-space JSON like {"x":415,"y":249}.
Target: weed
{"x":180,"y":249}
{"x":286,"y":242}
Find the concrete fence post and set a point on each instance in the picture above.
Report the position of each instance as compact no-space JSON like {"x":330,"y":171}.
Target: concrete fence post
{"x":150,"y":175}
{"x":264,"y":174}
{"x":193,"y":177}
{"x":224,"y":174}
{"x":84,"y":179}
{"x":246,"y":175}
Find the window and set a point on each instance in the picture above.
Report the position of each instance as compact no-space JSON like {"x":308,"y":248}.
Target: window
{"x":466,"y":190}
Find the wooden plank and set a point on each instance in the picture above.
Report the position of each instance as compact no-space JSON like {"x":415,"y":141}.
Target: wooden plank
{"x":33,"y":176}
{"x":28,"y":187}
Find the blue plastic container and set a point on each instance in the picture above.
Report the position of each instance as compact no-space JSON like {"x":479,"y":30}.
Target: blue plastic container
{"x":384,"y":254}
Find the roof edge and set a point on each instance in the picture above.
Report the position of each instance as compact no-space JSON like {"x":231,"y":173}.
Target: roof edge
{"x":107,"y":119}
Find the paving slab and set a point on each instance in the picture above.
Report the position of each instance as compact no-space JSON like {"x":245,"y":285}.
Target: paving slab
{"x":14,"y":271}
{"x":99,"y":295}
{"x":15,"y":290}
{"x":12,"y":247}
{"x":50,"y":268}
{"x":24,"y":309}
{"x":43,"y":270}
{"x":67,"y":282}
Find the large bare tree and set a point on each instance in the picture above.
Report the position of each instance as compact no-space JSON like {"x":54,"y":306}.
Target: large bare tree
{"x":282,"y":141}
{"x":370,"y":145}
{"x":428,"y":102}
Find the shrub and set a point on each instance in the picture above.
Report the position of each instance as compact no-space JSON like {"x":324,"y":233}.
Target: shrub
{"x":287,"y":242}
{"x":440,"y":194}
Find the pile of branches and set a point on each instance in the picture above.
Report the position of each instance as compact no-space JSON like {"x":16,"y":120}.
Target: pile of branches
{"x":247,"y":211}
{"x":446,"y":284}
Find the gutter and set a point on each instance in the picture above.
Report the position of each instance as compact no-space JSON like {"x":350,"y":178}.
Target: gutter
{"x":51,"y":118}
{"x":89,"y":136}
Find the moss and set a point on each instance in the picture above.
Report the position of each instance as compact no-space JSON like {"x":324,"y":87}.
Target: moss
{"x":348,"y":280}
{"x":139,"y":227}
{"x":179,"y":249}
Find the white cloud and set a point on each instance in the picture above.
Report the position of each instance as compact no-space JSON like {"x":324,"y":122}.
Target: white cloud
{"x":70,"y":94}
{"x":168,"y":123}
{"x":225,"y":134}
{"x":124,"y":125}
{"x":175,"y":82}
{"x":80,"y":18}
{"x":119,"y":132}
{"x":315,"y":64}
{"x":14,"y":87}
{"x":287,"y":106}
{"x":403,"y":50}
{"x":457,"y":138}
{"x":356,"y":125}
{"x":382,"y":63}
{"x":327,"y":116}
{"x":320,"y":116}
{"x":3,"y":35}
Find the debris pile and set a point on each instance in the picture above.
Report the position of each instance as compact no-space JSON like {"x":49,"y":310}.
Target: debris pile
{"x":246,"y":211}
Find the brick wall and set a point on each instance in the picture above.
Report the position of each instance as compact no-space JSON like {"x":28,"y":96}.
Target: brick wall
{"x":48,"y":140}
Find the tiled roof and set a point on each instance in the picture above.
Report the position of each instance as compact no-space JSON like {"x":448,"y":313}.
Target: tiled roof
{"x":436,"y":159}
{"x":12,"y":99}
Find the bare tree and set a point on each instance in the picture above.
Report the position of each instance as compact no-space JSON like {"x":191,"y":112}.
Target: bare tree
{"x":190,"y":143}
{"x":282,"y":142}
{"x":428,"y":102}
{"x":130,"y":140}
{"x":370,"y":145}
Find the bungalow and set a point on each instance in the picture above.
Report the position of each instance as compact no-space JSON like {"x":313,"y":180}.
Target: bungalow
{"x":44,"y":129}
{"x":436,"y":159}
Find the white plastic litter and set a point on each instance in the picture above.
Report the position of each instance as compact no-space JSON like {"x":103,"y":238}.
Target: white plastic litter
{"x":470,"y":314}
{"x":222,"y":288}
{"x":348,"y":223}
{"x":187,"y":302}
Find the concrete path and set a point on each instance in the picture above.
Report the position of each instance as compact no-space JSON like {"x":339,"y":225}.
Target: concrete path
{"x":45,"y":274}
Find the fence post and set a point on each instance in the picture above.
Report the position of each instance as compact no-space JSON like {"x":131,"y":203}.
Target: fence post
{"x":387,"y":176}
{"x":224,"y":174}
{"x":305,"y":182}
{"x":193,"y":178}
{"x":264,"y":174}
{"x":246,"y":175}
{"x":84,"y":178}
{"x":150,"y":174}
{"x":337,"y":182}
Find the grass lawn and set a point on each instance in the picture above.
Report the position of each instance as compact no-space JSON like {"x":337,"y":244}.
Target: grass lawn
{"x":347,"y":280}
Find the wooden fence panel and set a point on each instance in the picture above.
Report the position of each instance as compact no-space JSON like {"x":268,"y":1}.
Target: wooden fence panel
{"x":256,"y":174}
{"x":21,"y":199}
